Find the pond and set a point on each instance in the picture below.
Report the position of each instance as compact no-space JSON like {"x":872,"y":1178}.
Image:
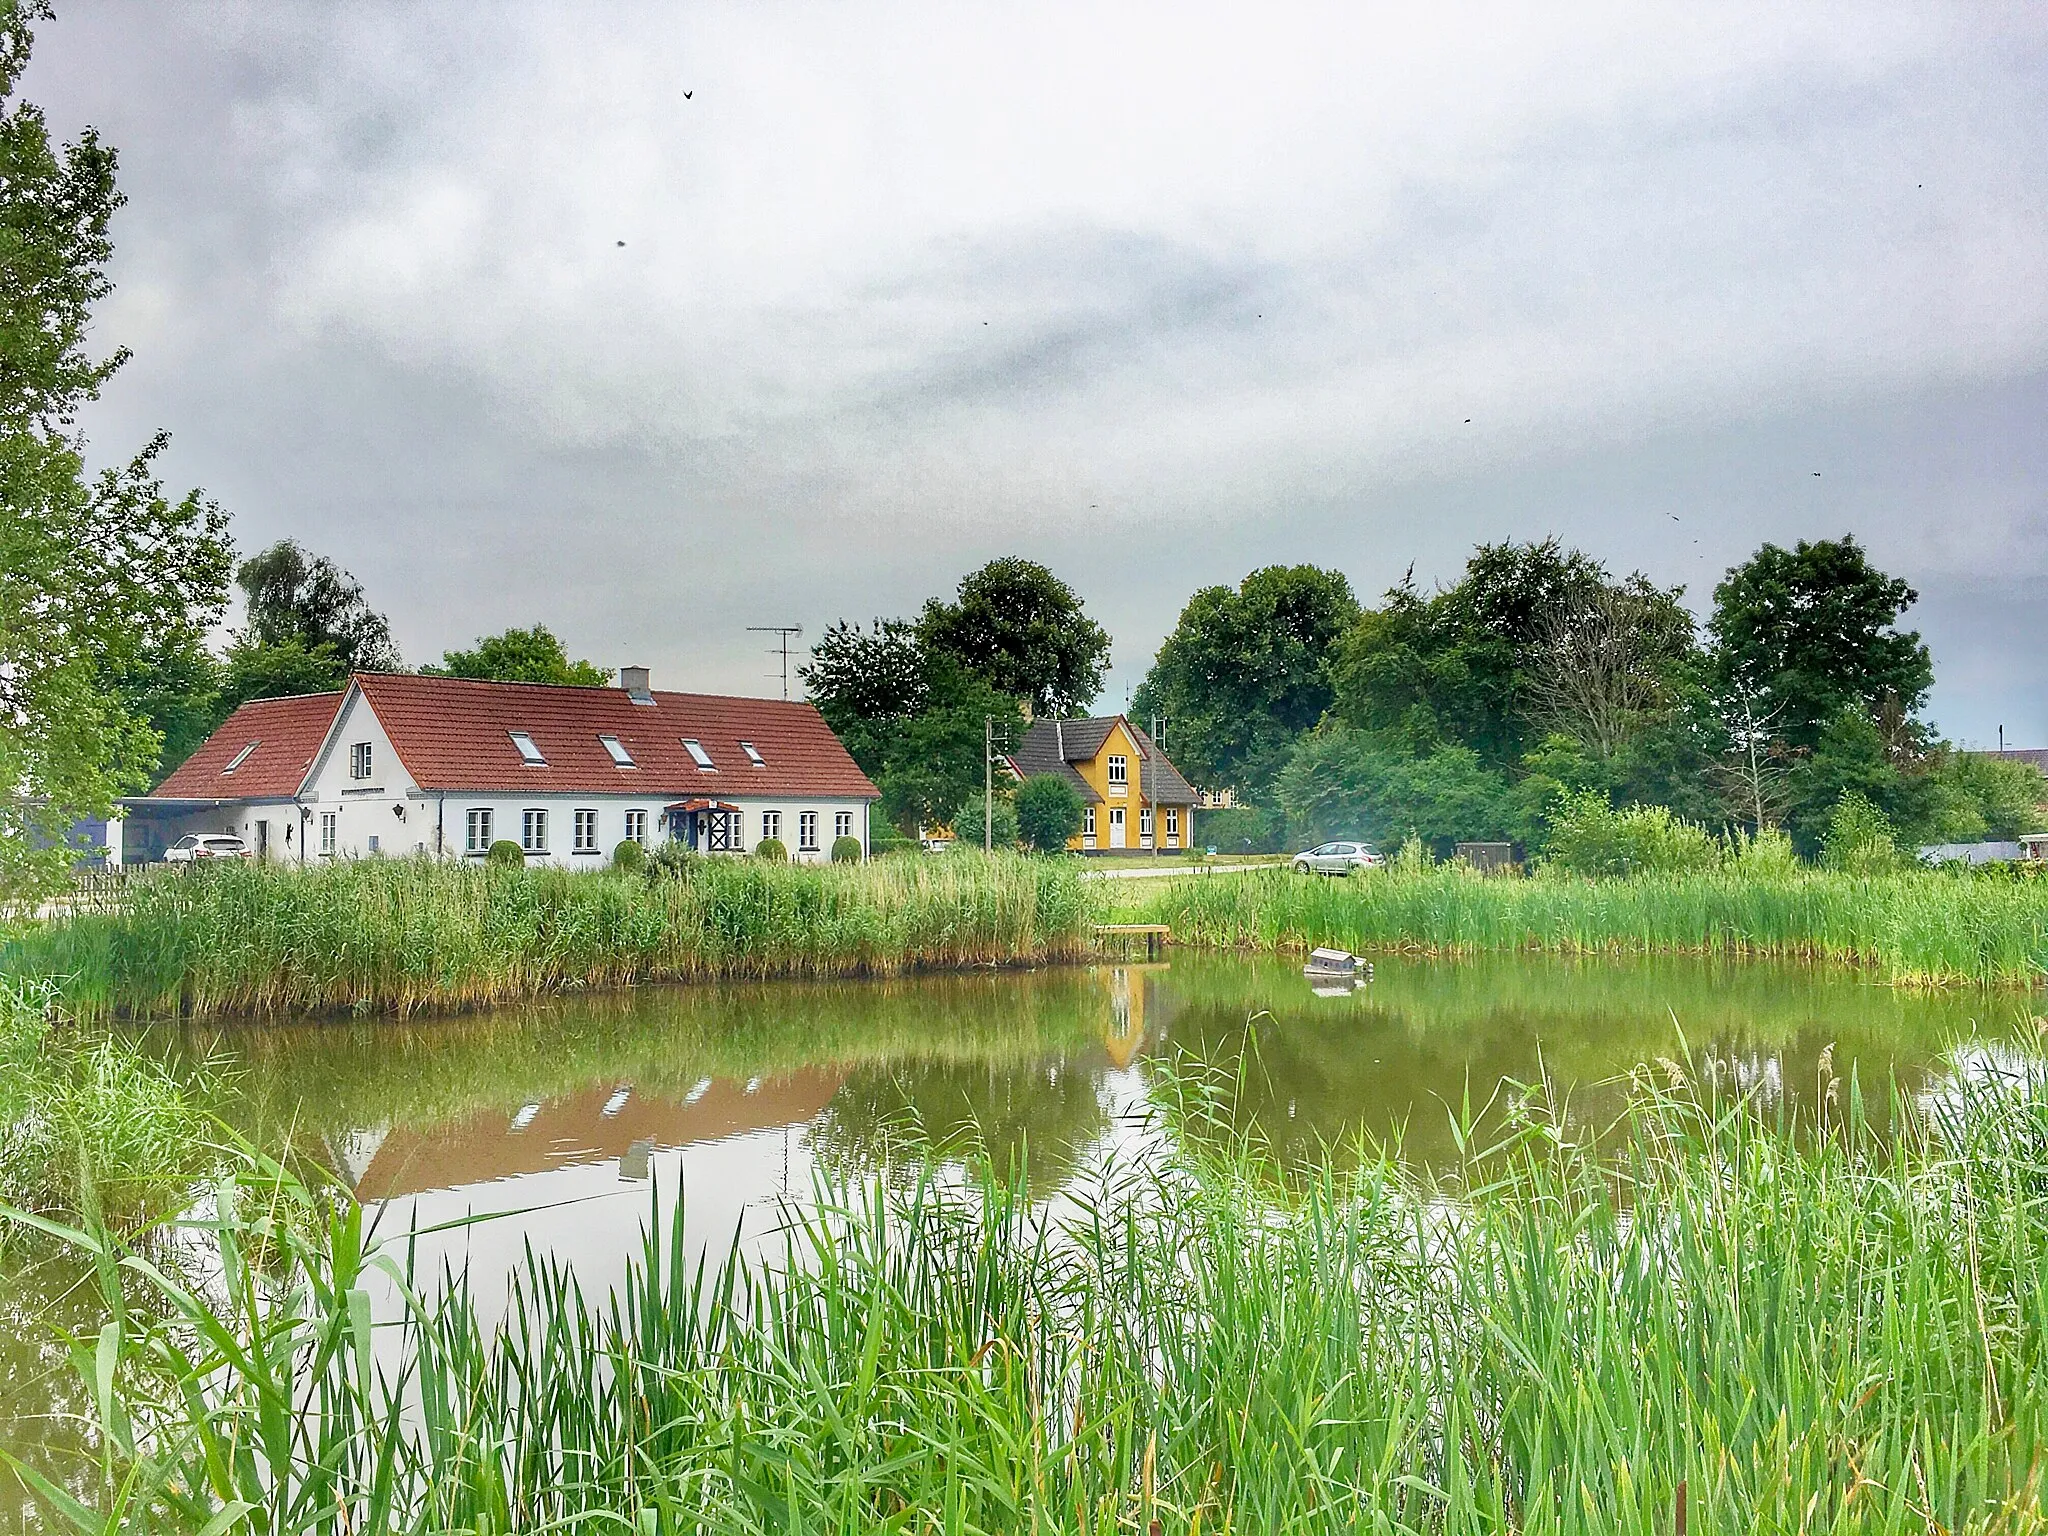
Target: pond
{"x":561,"y":1119}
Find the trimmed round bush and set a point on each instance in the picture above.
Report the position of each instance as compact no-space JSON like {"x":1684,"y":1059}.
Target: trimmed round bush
{"x":630,"y":857}
{"x":506,"y":854}
{"x":771,"y":848}
{"x":846,"y":850}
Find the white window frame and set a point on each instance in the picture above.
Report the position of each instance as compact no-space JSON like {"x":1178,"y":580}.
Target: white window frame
{"x":1119,"y":768}
{"x":842,"y":825}
{"x":621,"y":758}
{"x":329,"y":826}
{"x":636,"y":827}
{"x":359,"y":760}
{"x":533,"y":830}
{"x":1145,"y":822}
{"x":583,"y":830}
{"x":771,"y":825}
{"x":1087,"y":821}
{"x":239,"y":758}
{"x":476,"y":829}
{"x":530,"y":754}
{"x":753,"y":754}
{"x":698,"y":755}
{"x":1172,"y":826}
{"x":807,"y":831}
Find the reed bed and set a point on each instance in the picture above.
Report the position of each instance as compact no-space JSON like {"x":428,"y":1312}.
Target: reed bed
{"x":1917,"y":928}
{"x":395,"y":936}
{"x":1709,"y":1326}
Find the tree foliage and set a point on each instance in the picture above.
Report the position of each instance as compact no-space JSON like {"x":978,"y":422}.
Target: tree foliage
{"x":1246,"y":671}
{"x":521,"y":656}
{"x":295,"y":596}
{"x":1347,"y":783}
{"x":95,"y":570}
{"x":1024,"y":630}
{"x":1048,"y":812}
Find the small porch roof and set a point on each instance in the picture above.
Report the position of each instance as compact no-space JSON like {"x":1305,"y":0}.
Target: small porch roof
{"x":699,"y":803}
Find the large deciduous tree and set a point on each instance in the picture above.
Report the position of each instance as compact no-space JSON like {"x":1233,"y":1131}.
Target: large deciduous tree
{"x":521,"y":656}
{"x":1023,"y":629}
{"x":1246,"y":671}
{"x":293,"y":595}
{"x":95,"y":570}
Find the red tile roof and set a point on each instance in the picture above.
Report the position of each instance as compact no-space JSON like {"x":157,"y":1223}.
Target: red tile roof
{"x":452,"y":734}
{"x":288,"y":733}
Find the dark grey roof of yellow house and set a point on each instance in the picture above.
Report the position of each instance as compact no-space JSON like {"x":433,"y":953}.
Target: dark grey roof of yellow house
{"x":1054,"y":746}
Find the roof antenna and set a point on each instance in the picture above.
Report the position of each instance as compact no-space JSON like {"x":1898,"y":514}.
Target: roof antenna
{"x":781,"y":649}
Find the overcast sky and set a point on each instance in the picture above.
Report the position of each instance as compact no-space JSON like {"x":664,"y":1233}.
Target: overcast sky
{"x":651,"y":323}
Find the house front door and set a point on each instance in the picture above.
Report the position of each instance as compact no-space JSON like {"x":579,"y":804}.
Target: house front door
{"x":1116,"y":826}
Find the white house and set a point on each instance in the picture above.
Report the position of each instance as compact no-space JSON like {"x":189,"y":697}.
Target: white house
{"x":401,"y":764}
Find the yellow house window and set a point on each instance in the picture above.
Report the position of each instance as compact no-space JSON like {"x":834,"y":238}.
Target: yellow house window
{"x":1172,"y":825}
{"x":1119,"y":769}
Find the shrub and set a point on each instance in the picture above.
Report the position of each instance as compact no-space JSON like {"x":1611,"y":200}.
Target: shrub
{"x":967,"y":822}
{"x":1588,"y":836}
{"x":672,"y":859}
{"x":506,"y":854}
{"x":846,"y":850}
{"x":630,"y":857}
{"x":1766,"y":853}
{"x":771,"y":849}
{"x":1859,"y":839}
{"x":1241,"y":829}
{"x":1048,"y":812}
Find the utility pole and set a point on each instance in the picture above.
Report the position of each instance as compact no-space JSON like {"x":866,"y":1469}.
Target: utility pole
{"x":988,"y":783}
{"x":782,"y":649}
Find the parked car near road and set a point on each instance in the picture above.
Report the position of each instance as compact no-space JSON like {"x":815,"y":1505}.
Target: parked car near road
{"x":1337,"y":859}
{"x":206,"y":845}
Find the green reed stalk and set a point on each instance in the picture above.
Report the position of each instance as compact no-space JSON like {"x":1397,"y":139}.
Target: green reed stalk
{"x":1920,"y":928}
{"x":1805,"y":1333}
{"x":398,"y":935}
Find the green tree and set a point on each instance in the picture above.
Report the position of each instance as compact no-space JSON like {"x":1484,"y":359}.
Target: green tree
{"x":292,"y":595}
{"x":866,"y":683}
{"x":521,"y":656}
{"x":1802,"y":634}
{"x":1048,"y":812}
{"x":173,"y":682}
{"x":1346,"y":783}
{"x":93,"y":569}
{"x":1023,"y":629}
{"x":970,"y":821}
{"x":1246,"y":671}
{"x":253,"y":670}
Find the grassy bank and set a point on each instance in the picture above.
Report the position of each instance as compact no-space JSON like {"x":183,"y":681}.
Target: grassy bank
{"x":398,"y":935}
{"x":1915,"y":928}
{"x":1789,"y":1338}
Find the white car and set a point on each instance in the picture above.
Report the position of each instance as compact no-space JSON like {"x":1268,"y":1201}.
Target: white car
{"x":206,"y":845}
{"x":1337,"y":859}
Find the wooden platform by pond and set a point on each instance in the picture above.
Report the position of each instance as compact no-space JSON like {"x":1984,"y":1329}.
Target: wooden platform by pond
{"x":1155,"y":936}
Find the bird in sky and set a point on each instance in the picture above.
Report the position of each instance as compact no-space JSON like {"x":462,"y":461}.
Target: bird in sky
{"x":688,"y":94}
{"x":622,"y":245}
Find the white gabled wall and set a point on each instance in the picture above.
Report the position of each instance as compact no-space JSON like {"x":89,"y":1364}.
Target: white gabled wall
{"x":380,"y":814}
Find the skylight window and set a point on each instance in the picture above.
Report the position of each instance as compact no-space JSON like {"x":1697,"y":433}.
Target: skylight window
{"x":529,"y":754}
{"x":617,"y":748}
{"x":240,"y":758}
{"x":698,"y":755}
{"x":753,"y":756}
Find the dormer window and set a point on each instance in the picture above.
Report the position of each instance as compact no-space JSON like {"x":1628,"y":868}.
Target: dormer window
{"x":753,"y":756}
{"x":240,"y":758}
{"x":529,"y":754}
{"x":698,"y":755}
{"x":617,"y":749}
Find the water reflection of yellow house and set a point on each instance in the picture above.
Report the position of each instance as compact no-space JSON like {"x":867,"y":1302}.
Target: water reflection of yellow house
{"x":1130,"y":986}
{"x":591,"y":1125}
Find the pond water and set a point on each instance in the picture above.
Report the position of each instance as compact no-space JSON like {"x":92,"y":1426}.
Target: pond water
{"x":559,"y":1119}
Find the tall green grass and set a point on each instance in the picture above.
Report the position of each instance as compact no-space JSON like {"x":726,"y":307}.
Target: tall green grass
{"x":398,"y":935}
{"x":1913,"y":928}
{"x":1785,"y":1337}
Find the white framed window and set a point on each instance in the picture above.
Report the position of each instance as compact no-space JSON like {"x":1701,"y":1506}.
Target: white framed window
{"x":617,"y":749}
{"x":327,"y":820}
{"x":842,"y":824}
{"x":476,"y":831}
{"x":359,"y":760}
{"x":807,"y":830}
{"x":1088,"y":821}
{"x":529,"y":754}
{"x":583,"y":832}
{"x":240,"y":758}
{"x":1145,"y":822}
{"x":533,"y":831}
{"x":753,"y":754}
{"x":1172,"y":826}
{"x":1119,"y":769}
{"x":771,"y":825}
{"x":698,"y":755}
{"x":636,"y":826}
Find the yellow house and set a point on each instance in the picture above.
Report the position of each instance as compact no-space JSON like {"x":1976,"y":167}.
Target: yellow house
{"x":1133,"y":800}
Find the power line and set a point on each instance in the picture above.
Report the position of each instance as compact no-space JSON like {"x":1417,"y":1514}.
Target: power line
{"x":781,"y":649}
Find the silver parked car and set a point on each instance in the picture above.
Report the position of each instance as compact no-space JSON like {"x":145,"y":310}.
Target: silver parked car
{"x":206,"y":845}
{"x":1337,"y":859}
